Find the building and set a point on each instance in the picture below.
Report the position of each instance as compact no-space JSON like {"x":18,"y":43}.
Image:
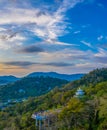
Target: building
{"x":79,"y":93}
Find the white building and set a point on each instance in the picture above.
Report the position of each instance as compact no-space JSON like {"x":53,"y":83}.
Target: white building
{"x":79,"y":93}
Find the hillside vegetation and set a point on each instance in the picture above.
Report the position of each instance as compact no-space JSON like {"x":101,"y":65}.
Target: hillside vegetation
{"x":7,"y":79}
{"x":29,"y":87}
{"x":86,"y":113}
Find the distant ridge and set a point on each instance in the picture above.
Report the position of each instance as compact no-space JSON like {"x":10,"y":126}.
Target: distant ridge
{"x":7,"y":79}
{"x":69,"y":77}
{"x":94,"y":76}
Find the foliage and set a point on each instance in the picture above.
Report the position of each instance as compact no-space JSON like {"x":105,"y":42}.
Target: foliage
{"x":86,"y":113}
{"x":29,"y":87}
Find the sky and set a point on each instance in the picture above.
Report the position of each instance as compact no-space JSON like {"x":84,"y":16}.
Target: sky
{"x":64,"y":36}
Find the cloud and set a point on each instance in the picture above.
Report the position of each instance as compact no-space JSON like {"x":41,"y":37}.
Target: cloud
{"x":100,"y":37}
{"x":86,"y":43}
{"x":19,"y":63}
{"x":57,"y":27}
{"x":64,"y":61}
{"x":54,"y":41}
{"x":28,"y":63}
{"x":2,"y":29}
{"x":102,"y":59}
{"x":10,"y":41}
{"x":31,"y":49}
{"x":59,"y":64}
{"x":6,"y":34}
{"x":10,"y":38}
{"x":67,"y":4}
{"x":76,"y":32}
{"x":67,"y":55}
{"x":24,"y":17}
{"x":101,"y":53}
{"x":48,"y":25}
{"x":100,"y":56}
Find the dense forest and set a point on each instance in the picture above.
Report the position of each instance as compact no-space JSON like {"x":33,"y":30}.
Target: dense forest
{"x":29,"y":87}
{"x":86,"y":113}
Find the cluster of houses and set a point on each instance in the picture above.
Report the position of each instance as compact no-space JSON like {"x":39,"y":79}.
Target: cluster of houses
{"x":10,"y":102}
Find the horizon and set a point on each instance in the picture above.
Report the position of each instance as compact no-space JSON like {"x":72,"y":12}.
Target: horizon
{"x":42,"y":72}
{"x":63,"y":36}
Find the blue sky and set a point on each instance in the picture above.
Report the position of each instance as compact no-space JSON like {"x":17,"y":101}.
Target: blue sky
{"x":66,"y":36}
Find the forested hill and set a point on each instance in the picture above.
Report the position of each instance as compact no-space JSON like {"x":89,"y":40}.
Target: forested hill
{"x":92,"y":78}
{"x":86,"y":113}
{"x":7,"y":79}
{"x":69,"y":77}
{"x":29,"y":87}
{"x":95,"y":76}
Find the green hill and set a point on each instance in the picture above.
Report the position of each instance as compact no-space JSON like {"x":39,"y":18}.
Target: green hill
{"x":92,"y":78}
{"x":86,"y":113}
{"x":29,"y":87}
{"x":95,"y":76}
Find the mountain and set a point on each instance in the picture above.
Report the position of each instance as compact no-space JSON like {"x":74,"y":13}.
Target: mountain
{"x":92,"y":78}
{"x":7,"y":79}
{"x":35,"y":84}
{"x":57,"y":75}
{"x":29,"y":87}
{"x":86,"y":113}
